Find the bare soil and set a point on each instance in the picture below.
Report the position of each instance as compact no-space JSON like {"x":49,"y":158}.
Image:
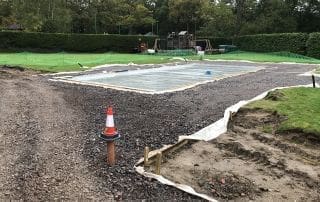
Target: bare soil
{"x":248,"y":164}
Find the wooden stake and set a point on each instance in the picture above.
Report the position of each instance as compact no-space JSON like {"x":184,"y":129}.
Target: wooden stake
{"x":313,"y":81}
{"x":111,"y":155}
{"x":146,"y":156}
{"x":153,"y":158}
{"x":158,"y":163}
{"x":231,"y":116}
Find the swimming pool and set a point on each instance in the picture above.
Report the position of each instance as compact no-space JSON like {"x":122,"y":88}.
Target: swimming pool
{"x":164,"y":79}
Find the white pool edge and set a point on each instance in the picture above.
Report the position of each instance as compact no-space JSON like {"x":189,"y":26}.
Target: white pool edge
{"x":137,"y":90}
{"x":253,"y":62}
{"x":175,"y":63}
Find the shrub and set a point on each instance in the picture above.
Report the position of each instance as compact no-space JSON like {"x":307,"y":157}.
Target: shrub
{"x":291,"y":42}
{"x":313,"y":45}
{"x":71,"y":42}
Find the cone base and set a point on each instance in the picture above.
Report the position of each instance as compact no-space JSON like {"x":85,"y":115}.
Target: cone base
{"x":110,"y":138}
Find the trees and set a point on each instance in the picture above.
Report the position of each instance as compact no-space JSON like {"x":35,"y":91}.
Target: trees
{"x":56,"y":17}
{"x":185,"y":14}
{"x":220,"y":21}
{"x":271,"y":16}
{"x":208,"y":17}
{"x":161,"y":15}
{"x":35,"y":15}
{"x":6,"y":16}
{"x":137,"y":17}
{"x":307,"y":13}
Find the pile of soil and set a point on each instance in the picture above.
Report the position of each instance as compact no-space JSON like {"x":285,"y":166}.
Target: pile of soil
{"x":246,"y":163}
{"x":226,"y":185}
{"x":8,"y":72}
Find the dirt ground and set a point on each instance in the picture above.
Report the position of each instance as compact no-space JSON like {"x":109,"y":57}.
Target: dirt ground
{"x":49,"y":143}
{"x":41,"y":143}
{"x":248,"y":164}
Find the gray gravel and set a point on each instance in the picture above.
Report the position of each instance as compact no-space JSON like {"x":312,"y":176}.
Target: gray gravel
{"x":78,"y":111}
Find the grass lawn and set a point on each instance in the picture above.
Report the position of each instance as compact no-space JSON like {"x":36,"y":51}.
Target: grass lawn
{"x":264,"y":57}
{"x":58,"y":62}
{"x":300,"y":105}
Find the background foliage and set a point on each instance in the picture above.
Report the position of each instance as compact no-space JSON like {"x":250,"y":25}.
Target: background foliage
{"x":299,"y":43}
{"x":313,"y":45}
{"x":217,"y":18}
{"x":291,"y":42}
{"x":72,"y":42}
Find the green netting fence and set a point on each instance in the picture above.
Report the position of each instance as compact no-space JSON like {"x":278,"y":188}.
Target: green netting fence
{"x":176,"y":52}
{"x":289,"y":54}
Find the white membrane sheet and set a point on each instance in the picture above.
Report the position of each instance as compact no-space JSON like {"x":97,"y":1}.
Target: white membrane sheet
{"x":164,"y":79}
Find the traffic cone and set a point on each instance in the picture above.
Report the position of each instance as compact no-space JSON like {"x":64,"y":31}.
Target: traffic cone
{"x":110,"y":131}
{"x":110,"y":134}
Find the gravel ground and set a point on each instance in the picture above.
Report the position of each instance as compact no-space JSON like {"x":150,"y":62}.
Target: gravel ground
{"x":48,"y":133}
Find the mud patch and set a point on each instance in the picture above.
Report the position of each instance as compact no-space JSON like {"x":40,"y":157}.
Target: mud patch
{"x":11,"y":72}
{"x":225,"y":185}
{"x":257,"y":119}
{"x":250,"y":163}
{"x":268,"y":122}
{"x":275,"y":95}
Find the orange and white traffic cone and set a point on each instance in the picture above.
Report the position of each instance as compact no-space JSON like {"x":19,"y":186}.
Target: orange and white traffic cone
{"x":110,"y":134}
{"x":110,"y":130}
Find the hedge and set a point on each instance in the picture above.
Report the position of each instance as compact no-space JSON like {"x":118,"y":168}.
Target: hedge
{"x":313,"y":45}
{"x":72,"y":42}
{"x":291,"y":42}
{"x":300,"y":43}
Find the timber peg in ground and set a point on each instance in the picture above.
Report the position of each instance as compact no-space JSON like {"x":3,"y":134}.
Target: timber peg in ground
{"x":314,"y":81}
{"x":110,"y":135}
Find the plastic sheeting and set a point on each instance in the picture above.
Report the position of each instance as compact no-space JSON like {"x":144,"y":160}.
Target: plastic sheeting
{"x":310,"y":74}
{"x":165,"y":79}
{"x":209,"y":133}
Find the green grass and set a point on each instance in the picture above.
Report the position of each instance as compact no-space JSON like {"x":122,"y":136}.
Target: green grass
{"x":58,"y":62}
{"x":264,"y":57}
{"x":267,"y":129}
{"x":300,"y":105}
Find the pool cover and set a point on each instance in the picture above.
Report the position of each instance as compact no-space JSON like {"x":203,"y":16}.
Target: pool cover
{"x":164,"y":79}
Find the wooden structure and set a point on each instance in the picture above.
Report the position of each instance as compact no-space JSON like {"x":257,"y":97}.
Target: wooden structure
{"x":205,"y":45}
{"x":182,"y":40}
